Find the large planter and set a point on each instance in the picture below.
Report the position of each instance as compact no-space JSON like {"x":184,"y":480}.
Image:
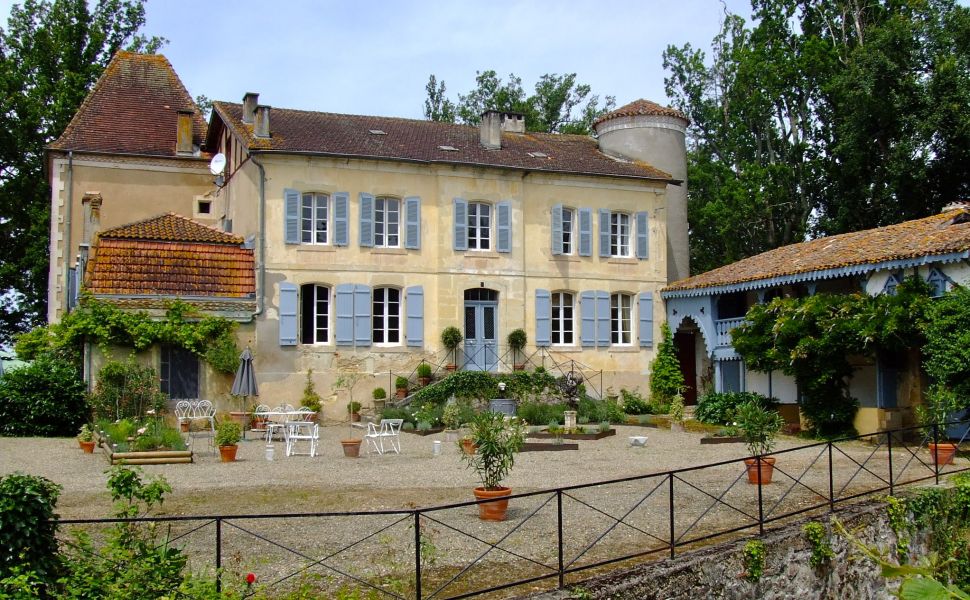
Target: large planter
{"x":424,"y":381}
{"x":468,"y":446}
{"x":240,"y":418}
{"x":401,"y":393}
{"x":379,"y":406}
{"x":228,"y":453}
{"x":88,"y":447}
{"x":943,"y":452}
{"x":492,"y":511}
{"x":767,"y":468}
{"x":351,"y":448}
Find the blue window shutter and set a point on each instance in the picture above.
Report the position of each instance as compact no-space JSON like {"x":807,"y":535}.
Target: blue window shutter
{"x":587,"y":315}
{"x":643,"y":239}
{"x":586,"y":232}
{"x":344,"y":300}
{"x":412,"y":223}
{"x":543,"y":318}
{"x":366,"y":220}
{"x":503,"y":214}
{"x":603,"y":324}
{"x":461,"y":225}
{"x":645,"y":311}
{"x":605,"y":232}
{"x":291,"y":220}
{"x":557,"y":230}
{"x":362,"y":324}
{"x":288,"y":304}
{"x":341,"y":200}
{"x":414,"y":299}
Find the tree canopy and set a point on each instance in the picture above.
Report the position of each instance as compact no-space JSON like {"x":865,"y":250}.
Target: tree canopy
{"x":559,"y":104}
{"x":51,"y":52}
{"x":820,"y":118}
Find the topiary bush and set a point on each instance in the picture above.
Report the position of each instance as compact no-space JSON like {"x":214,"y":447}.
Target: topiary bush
{"x":28,"y":538}
{"x":719,"y":408}
{"x":44,"y":398}
{"x":666,"y":380}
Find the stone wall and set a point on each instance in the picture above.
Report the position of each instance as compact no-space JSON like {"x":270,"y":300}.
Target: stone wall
{"x":717,"y":571}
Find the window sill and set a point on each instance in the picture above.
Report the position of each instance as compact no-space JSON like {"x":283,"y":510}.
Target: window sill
{"x":622,"y":260}
{"x":626,"y":349}
{"x":566,"y":349}
{"x":316,"y":248}
{"x":398,"y":251}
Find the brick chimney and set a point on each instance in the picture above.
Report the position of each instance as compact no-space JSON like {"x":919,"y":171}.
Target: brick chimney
{"x":91,"y":214}
{"x":250,"y":100}
{"x":494,"y":122}
{"x":183,"y":135}
{"x":261,"y":127}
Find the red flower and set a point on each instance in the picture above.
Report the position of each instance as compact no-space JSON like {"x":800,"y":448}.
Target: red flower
{"x":250,"y":578}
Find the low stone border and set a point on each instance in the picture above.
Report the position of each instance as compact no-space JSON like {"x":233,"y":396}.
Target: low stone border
{"x":573,"y":436}
{"x":547,"y":447}
{"x":431,"y":431}
{"x":722,"y":439}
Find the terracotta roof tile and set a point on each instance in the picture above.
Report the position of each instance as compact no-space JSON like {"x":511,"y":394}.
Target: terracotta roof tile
{"x":173,"y":228}
{"x":300,"y":131}
{"x":943,"y":233}
{"x":641,"y":108}
{"x":132,"y":109}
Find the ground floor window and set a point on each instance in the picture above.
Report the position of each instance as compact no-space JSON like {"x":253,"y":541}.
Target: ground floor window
{"x":315,"y":314}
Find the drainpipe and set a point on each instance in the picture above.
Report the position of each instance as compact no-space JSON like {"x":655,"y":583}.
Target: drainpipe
{"x":67,"y":228}
{"x":261,"y":236}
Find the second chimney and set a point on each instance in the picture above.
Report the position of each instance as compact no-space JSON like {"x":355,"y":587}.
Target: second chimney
{"x":261,"y":127}
{"x":91,"y":214}
{"x":250,"y":100}
{"x":490,"y":129}
{"x":183,"y":136}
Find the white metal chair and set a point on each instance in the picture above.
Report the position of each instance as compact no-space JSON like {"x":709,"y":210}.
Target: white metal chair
{"x":389,"y":430}
{"x":187,"y":411}
{"x":302,"y":431}
{"x":277,"y":421}
{"x":260,"y":418}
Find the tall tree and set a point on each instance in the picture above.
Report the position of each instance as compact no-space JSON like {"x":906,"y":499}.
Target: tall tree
{"x":51,"y":52}
{"x":559,"y":104}
{"x":822,"y":118}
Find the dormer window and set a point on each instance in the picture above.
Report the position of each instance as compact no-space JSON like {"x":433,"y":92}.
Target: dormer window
{"x":937,"y":282}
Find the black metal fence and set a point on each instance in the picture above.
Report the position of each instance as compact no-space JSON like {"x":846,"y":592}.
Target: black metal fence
{"x":552,"y":536}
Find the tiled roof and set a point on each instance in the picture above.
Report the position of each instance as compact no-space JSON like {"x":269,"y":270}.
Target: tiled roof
{"x":641,"y":108}
{"x":132,"y":109}
{"x":944,"y":233}
{"x":413,"y":140}
{"x":170,"y":262}
{"x":171,"y":228}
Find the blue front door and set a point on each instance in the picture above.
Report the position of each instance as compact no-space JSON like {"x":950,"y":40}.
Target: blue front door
{"x":481,"y":327}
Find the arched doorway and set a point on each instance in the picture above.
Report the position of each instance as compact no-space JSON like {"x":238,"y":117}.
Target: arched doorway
{"x":693,"y":359}
{"x":481,"y":329}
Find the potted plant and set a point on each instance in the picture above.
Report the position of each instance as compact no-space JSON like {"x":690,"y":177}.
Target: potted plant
{"x":759,"y":426}
{"x":354,"y":409}
{"x":311,"y":399}
{"x":451,"y":338}
{"x":401,"y":387}
{"x":347,"y":381}
{"x":497,"y":440}
{"x":424,"y":374}
{"x":380,"y":399}
{"x":940,"y":403}
{"x":451,"y":419}
{"x":85,"y":439}
{"x":517,"y":341}
{"x":228,"y":434}
{"x":677,"y":413}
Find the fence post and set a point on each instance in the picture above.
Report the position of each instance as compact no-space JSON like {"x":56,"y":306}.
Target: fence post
{"x":934,"y":455}
{"x":673,"y":539}
{"x":218,"y":555}
{"x":417,"y":555}
{"x":562,"y":582}
{"x":831,"y":482}
{"x":889,"y":444}
{"x":761,"y":507}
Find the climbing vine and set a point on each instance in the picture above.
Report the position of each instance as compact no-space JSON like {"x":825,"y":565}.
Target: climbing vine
{"x":211,"y":338}
{"x":754,"y":560}
{"x":818,"y":539}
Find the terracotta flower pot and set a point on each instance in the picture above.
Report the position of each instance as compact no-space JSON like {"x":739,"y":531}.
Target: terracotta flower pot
{"x":492,"y":511}
{"x":943,"y":452}
{"x":424,"y":381}
{"x":401,"y":393}
{"x":451,"y":367}
{"x":518,"y":367}
{"x":88,"y":447}
{"x":241,"y":418}
{"x":184,"y":426}
{"x":351,"y":448}
{"x":468,"y":446}
{"x":228,"y":453}
{"x":355,"y":417}
{"x":767,"y":469}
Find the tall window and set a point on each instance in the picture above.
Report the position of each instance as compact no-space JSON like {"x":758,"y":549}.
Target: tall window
{"x":314,"y":314}
{"x":479,"y":226}
{"x":314,"y":218}
{"x":387,"y":222}
{"x":562,"y":318}
{"x":387,"y":316}
{"x":621,"y":319}
{"x":567,"y":230}
{"x":619,"y":234}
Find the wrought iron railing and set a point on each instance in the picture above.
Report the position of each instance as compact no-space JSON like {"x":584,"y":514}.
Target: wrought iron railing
{"x":553,"y":535}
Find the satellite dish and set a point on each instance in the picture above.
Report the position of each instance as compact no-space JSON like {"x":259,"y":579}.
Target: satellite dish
{"x":218,"y":164}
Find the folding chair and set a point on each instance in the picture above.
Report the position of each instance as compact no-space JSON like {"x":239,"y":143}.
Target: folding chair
{"x":389,"y":430}
{"x":302,"y":431}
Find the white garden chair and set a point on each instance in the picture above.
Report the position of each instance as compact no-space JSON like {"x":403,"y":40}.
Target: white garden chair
{"x":302,"y":431}
{"x":388,"y":431}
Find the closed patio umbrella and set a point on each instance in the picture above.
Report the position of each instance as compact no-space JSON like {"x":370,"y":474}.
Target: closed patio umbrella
{"x":245,"y":382}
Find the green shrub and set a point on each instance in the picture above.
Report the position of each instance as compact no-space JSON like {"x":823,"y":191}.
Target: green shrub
{"x":408,"y":426}
{"x":401,"y":382}
{"x":634,"y":403}
{"x":44,"y":398}
{"x":379,"y":393}
{"x":604,"y":426}
{"x":392,"y":412}
{"x":424,"y":370}
{"x":228,"y":433}
{"x":126,"y":389}
{"x":428,"y":413}
{"x":539,"y":412}
{"x":424,"y":426}
{"x":27,"y":527}
{"x":720,"y":408}
{"x":600,"y":410}
{"x":666,"y":380}
{"x":311,"y":399}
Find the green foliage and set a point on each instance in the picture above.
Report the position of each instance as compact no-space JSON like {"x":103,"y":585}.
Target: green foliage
{"x":311,"y":399}
{"x":634,"y":403}
{"x":126,"y":390}
{"x":946,"y":355}
{"x":424,"y":370}
{"x":517,"y":339}
{"x":379,"y":393}
{"x":424,"y":426}
{"x":759,"y":426}
{"x":353,"y":407}
{"x":497,"y":441}
{"x":753,"y":557}
{"x":27,"y":528}
{"x":541,"y":412}
{"x":151,"y":434}
{"x":595,"y":411}
{"x":818,"y":539}
{"x":481,"y":385}
{"x":666,"y":380}
{"x":557,"y":105}
{"x":228,"y":433}
{"x":86,"y":434}
{"x":451,"y":337}
{"x":677,"y":409}
{"x":401,"y":382}
{"x":451,"y":415}
{"x":45,"y":398}
{"x":429,"y":413}
{"x":719,"y":408}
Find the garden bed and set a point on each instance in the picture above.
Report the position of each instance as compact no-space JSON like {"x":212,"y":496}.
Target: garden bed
{"x":431,"y":431}
{"x":572,"y":436}
{"x":722,"y":439}
{"x":547,"y":447}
